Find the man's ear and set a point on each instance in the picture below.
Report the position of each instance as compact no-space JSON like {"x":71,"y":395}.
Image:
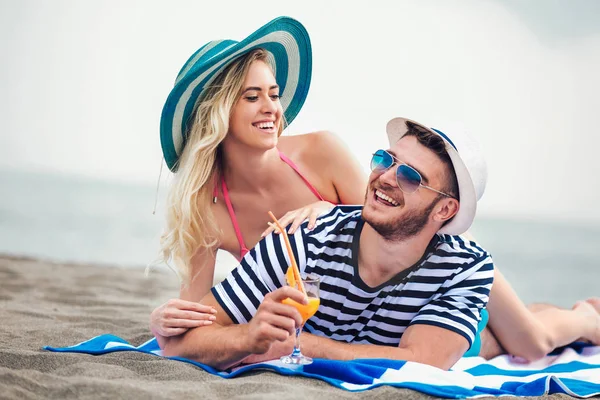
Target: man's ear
{"x":445,"y":210}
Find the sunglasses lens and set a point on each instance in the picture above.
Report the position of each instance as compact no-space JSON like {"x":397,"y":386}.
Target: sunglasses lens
{"x":381,"y":160}
{"x":408,"y":178}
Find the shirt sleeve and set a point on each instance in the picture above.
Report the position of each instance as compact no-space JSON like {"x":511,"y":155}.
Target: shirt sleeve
{"x":261,"y":271}
{"x":459,"y":306}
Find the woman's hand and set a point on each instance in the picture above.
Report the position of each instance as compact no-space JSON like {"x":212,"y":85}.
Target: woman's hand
{"x":297,"y":217}
{"x":176,"y":316}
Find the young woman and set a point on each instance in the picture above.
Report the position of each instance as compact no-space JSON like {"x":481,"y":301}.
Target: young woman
{"x":233,"y":166}
{"x":222,"y":136}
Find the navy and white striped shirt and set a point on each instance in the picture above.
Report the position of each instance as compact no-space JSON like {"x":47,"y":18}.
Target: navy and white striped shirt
{"x":447,"y":288}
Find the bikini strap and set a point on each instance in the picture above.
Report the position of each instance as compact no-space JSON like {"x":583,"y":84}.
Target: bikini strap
{"x":295,"y":168}
{"x":236,"y":227}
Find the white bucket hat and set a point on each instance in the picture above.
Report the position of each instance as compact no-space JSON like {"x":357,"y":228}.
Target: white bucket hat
{"x":469,"y":166}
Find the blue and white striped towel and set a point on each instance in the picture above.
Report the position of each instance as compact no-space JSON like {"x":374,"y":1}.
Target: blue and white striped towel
{"x":574,"y":370}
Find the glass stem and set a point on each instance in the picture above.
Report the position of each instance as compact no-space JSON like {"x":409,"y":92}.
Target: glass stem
{"x":296,"y":351}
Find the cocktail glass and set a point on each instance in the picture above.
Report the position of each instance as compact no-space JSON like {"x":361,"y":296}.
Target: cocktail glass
{"x":311,"y":285}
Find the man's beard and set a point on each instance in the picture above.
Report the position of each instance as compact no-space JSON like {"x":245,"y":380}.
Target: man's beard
{"x":403,"y":227}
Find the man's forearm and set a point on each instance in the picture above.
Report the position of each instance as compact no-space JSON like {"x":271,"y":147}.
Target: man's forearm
{"x":320,"y":347}
{"x":219,"y":346}
{"x":420,"y":342}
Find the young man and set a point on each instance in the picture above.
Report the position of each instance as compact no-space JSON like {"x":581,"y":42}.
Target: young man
{"x":395,"y":283}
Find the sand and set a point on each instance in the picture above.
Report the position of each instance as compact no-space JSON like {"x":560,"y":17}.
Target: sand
{"x":45,"y":303}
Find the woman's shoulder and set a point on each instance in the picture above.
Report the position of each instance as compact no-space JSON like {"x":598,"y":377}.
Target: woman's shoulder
{"x":328,"y":164}
{"x":303,"y":138}
{"x":311,"y":147}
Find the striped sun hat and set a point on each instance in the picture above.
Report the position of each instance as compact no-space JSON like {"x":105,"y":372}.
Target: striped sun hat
{"x":288,"y":52}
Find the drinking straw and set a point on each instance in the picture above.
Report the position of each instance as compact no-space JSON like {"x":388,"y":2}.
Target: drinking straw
{"x":294,"y":266}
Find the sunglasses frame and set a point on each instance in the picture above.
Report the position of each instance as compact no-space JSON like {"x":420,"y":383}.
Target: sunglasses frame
{"x":398,"y":162}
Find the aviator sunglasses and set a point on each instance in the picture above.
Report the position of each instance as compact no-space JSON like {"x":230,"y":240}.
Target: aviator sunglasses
{"x":408,"y":178}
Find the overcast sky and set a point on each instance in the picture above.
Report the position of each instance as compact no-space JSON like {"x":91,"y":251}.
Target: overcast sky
{"x":83,"y":84}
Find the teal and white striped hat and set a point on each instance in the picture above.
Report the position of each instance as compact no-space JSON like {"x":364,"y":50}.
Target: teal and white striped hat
{"x":288,"y":47}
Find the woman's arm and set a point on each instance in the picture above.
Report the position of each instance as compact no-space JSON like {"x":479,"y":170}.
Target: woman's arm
{"x":202,"y":273}
{"x":177,"y":316}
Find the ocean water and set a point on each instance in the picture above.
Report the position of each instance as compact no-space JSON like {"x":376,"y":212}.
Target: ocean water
{"x":82,"y":220}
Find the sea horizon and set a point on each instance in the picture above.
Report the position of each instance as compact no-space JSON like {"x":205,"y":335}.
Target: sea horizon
{"x":75,"y":219}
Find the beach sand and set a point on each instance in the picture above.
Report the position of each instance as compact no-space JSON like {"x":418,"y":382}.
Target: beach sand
{"x":44,"y":303}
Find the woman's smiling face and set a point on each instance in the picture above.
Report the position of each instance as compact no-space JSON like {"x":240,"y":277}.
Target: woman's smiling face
{"x":257,"y":115}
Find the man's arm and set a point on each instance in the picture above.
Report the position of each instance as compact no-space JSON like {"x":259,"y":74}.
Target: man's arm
{"x":426,"y":344}
{"x":201,"y":344}
{"x":224,"y":344}
{"x":438,"y":335}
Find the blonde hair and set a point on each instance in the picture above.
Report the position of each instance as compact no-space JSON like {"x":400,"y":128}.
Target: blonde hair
{"x":190,"y":221}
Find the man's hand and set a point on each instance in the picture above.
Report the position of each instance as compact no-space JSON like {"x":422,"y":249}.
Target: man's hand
{"x":274,"y":321}
{"x":277,"y":350}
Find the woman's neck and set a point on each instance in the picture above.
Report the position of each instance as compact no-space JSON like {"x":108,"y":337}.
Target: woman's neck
{"x":248,"y":169}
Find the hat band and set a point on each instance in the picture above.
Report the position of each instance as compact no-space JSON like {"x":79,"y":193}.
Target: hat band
{"x":442,"y":134}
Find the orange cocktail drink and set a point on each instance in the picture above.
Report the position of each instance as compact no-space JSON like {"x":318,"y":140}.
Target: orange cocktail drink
{"x":305,"y":310}
{"x":309,"y":287}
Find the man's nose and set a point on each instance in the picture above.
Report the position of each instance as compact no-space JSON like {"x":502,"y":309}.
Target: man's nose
{"x":389,"y":176}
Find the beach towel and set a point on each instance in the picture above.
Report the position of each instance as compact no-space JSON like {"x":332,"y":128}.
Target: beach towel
{"x":573,"y":370}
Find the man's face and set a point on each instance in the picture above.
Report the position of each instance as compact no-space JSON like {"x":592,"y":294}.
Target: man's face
{"x":396,"y":215}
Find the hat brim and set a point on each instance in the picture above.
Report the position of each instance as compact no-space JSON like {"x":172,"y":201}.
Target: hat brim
{"x":289,"y":53}
{"x":463,"y":219}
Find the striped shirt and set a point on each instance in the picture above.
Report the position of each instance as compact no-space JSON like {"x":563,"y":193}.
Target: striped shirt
{"x":448,"y":287}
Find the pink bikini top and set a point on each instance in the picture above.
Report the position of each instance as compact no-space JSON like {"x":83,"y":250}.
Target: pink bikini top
{"x":236,"y":227}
